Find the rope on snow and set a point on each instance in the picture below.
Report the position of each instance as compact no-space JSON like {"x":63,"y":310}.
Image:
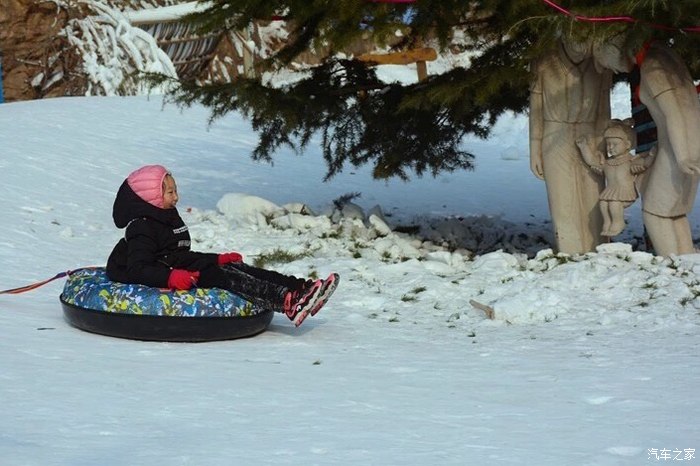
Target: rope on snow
{"x":32,"y":286}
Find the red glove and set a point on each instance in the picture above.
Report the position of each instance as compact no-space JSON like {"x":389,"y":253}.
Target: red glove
{"x":182,"y":279}
{"x":228,"y":257}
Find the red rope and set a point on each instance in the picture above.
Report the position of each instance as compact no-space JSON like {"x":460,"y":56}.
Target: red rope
{"x":33,"y":286}
{"x":610,"y":19}
{"x":592,"y":19}
{"x":626,"y":19}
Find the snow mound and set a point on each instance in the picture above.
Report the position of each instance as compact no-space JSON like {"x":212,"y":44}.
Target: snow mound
{"x":246,"y":209}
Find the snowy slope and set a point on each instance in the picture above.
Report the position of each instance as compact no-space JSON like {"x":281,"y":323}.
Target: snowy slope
{"x":590,"y":360}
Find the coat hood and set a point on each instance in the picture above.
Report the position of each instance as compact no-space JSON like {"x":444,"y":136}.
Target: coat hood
{"x":128,"y":206}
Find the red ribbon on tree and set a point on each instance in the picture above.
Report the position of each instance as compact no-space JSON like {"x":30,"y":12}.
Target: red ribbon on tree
{"x":610,"y":19}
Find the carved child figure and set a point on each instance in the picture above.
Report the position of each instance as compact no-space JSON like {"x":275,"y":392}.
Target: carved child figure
{"x":619,"y":168}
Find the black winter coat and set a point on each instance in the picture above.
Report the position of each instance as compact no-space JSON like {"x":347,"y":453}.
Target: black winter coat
{"x":155,"y":242}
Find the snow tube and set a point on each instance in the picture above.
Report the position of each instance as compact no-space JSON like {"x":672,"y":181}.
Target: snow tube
{"x":94,"y":303}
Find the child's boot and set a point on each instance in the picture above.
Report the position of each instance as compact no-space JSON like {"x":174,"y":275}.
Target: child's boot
{"x":298,"y":303}
{"x":329,"y":286}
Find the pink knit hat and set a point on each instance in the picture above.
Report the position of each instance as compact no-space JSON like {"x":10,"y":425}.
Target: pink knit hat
{"x":147,"y":183}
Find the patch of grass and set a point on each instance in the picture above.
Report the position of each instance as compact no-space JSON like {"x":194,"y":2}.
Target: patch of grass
{"x":332,"y":235}
{"x":278,"y":256}
{"x":269,"y":217}
{"x":412,"y":295}
{"x":356,"y":249}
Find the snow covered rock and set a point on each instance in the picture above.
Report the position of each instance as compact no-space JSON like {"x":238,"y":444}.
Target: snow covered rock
{"x":298,"y":208}
{"x":301,"y":222}
{"x":396,"y":248}
{"x":353,"y":211}
{"x":495,"y":260}
{"x":246,"y":209}
{"x":379,"y":225}
{"x":621,"y":249}
{"x":453,"y":259}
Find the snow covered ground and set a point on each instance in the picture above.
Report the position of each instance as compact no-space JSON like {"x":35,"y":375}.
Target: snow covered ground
{"x":590,"y":360}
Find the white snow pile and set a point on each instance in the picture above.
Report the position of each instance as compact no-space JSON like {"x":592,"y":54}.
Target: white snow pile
{"x":614,"y":284}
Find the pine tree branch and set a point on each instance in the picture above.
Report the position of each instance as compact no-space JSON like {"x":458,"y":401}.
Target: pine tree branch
{"x":407,"y":130}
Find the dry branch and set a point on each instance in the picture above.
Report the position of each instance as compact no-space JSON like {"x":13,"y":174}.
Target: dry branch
{"x":488,"y":310}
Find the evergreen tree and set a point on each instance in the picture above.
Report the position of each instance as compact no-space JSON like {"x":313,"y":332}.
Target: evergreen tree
{"x":405,"y":129}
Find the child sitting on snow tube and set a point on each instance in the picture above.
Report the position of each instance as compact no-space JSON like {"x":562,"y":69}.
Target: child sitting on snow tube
{"x":155,"y":251}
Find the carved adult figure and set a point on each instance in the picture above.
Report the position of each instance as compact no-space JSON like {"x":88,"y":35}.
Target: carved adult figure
{"x":669,"y":186}
{"x":569,"y":98}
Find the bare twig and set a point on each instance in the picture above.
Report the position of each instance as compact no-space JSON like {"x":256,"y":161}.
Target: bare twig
{"x":488,"y":310}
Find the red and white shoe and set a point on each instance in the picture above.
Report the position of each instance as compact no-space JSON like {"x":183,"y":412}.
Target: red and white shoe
{"x":329,"y":286}
{"x":298,"y":303}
